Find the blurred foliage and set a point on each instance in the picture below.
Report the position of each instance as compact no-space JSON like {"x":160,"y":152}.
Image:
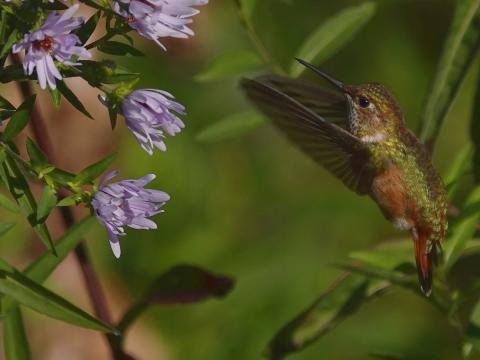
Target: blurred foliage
{"x":256,"y":208}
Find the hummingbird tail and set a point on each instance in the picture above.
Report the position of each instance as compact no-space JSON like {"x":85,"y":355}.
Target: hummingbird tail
{"x":425,"y":258}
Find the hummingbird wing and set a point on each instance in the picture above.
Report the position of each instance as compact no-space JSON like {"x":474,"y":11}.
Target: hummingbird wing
{"x":341,"y":153}
{"x":330,"y":105}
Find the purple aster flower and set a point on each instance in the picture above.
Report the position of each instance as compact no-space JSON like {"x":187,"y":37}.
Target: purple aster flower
{"x":52,"y":41}
{"x":149,"y":113}
{"x":155,"y":19}
{"x":126,"y":203}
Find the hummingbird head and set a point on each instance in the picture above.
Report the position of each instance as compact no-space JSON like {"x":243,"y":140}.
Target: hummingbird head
{"x":374,"y":114}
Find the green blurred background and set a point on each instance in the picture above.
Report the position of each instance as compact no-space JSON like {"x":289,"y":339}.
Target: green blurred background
{"x":258,"y":209}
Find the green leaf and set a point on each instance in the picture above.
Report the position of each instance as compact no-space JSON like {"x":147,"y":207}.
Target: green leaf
{"x":229,"y":64}
{"x":456,"y":170}
{"x":458,"y":52}
{"x":30,"y":294}
{"x":248,"y":6}
{"x":475,"y":133}
{"x":56,"y":97}
{"x":5,"y":104}
{"x":47,"y":203}
{"x":70,"y":200}
{"x":232,"y":126}
{"x":118,"y":48}
{"x":341,"y":300}
{"x":36,"y":155}
{"x":388,"y":255}
{"x":7,"y":204}
{"x":91,"y":172}
{"x":88,"y":28}
{"x":332,"y":35}
{"x":19,"y":119}
{"x":14,"y":337}
{"x":462,"y":231}
{"x":72,"y":98}
{"x":61,"y":176}
{"x":11,"y":73}
{"x":120,"y":77}
{"x":18,"y":187}
{"x":5,"y":227}
{"x":14,"y":36}
{"x":44,"y":265}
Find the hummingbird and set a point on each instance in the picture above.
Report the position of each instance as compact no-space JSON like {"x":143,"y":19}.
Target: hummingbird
{"x":359,"y":134}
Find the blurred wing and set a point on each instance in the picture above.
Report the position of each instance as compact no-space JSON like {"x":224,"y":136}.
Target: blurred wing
{"x":337,"y":150}
{"x":330,"y":105}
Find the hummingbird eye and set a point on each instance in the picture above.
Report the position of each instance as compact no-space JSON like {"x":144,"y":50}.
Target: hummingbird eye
{"x":363,"y":102}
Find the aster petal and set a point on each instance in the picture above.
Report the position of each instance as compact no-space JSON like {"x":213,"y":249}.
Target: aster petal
{"x":114,"y":244}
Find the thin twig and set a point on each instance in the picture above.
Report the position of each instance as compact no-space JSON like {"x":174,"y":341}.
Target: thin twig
{"x":97,"y":297}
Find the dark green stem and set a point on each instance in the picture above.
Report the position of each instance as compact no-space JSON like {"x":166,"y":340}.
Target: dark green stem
{"x":131,"y":315}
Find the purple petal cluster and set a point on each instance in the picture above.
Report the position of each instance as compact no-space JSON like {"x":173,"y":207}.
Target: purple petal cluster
{"x":149,"y":113}
{"x":155,"y":19}
{"x":51,"y":42}
{"x":126,"y":203}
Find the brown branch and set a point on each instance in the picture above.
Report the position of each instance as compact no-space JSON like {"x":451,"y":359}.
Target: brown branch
{"x":96,"y":294}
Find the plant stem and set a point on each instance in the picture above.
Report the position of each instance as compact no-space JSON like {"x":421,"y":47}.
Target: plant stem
{"x":255,"y":39}
{"x":95,"y":291}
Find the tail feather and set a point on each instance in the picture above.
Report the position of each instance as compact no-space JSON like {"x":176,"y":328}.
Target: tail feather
{"x":425,"y":259}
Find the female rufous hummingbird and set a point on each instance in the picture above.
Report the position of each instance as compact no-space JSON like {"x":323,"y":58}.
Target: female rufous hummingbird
{"x":359,"y":134}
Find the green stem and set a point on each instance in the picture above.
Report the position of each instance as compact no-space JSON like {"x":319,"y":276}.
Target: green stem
{"x":256,"y":40}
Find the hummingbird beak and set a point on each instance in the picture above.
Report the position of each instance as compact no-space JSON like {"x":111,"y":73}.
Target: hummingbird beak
{"x":327,"y":77}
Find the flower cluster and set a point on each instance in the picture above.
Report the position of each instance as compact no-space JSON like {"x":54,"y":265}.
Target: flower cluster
{"x":155,"y":19}
{"x":126,"y":203}
{"x":52,"y":41}
{"x":149,"y":114}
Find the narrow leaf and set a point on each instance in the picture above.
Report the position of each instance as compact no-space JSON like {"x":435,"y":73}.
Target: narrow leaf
{"x":14,"y":337}
{"x":5,"y":104}
{"x":47,"y":203}
{"x":232,"y":126}
{"x":228,"y":64}
{"x":457,"y":169}
{"x":332,"y":35}
{"x":343,"y":299}
{"x":72,"y":98}
{"x":462,"y":231}
{"x":7,"y":204}
{"x":20,"y":190}
{"x":118,"y":48}
{"x":13,"y":37}
{"x":42,"y":300}
{"x":44,"y":265}
{"x":19,"y":119}
{"x":91,"y":172}
{"x":5,"y":227}
{"x":37,"y":157}
{"x":388,"y":256}
{"x":458,"y":52}
{"x":56,"y":97}
{"x":247,"y":6}
{"x":88,"y":28}
{"x":475,"y":133}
